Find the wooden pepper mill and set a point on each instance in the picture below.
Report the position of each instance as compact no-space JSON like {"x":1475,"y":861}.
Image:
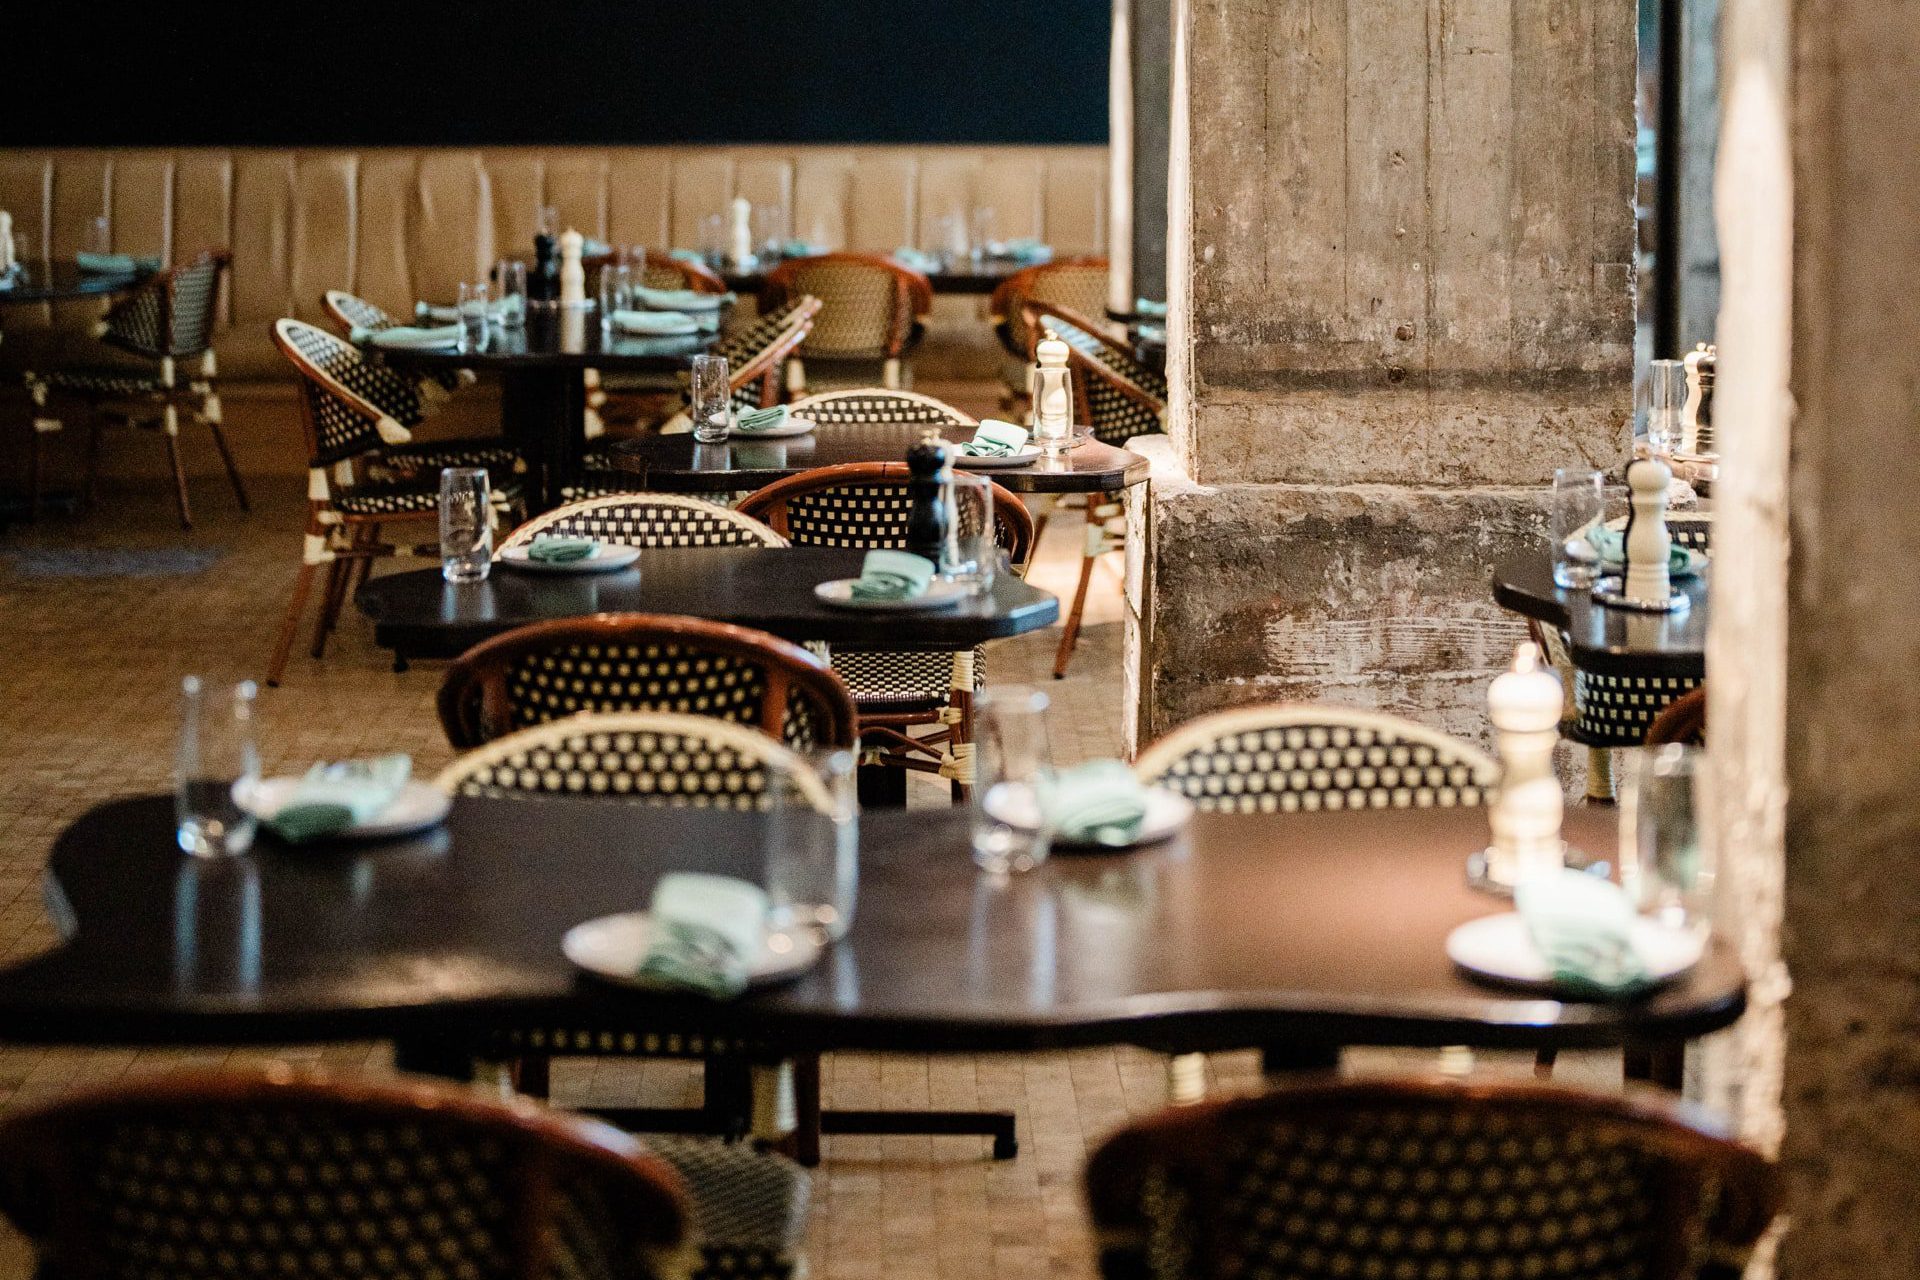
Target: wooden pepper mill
{"x":929,"y":516}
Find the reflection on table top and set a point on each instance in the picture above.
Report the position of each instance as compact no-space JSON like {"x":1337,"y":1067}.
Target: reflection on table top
{"x":959,"y":277}
{"x":50,"y":280}
{"x":1605,"y":640}
{"x":558,"y":338}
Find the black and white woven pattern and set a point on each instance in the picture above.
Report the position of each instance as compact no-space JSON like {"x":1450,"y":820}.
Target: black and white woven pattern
{"x":864,"y":313}
{"x":429,"y":457}
{"x":752,"y":341}
{"x":875,"y":405}
{"x":1105,"y":370}
{"x":347,"y":392}
{"x":749,"y":1209}
{"x":1692,"y":531}
{"x":196,"y":293}
{"x":387,"y":499}
{"x":1616,"y":711}
{"x":1077,"y":286}
{"x":1284,"y":759}
{"x":649,"y":520}
{"x":853,"y":515}
{"x":357,"y":313}
{"x":106,"y":381}
{"x":901,"y":679}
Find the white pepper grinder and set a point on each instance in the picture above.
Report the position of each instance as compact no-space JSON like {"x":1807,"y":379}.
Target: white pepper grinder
{"x":6,"y":243}
{"x":573,"y":273}
{"x":1648,"y":543}
{"x":740,"y":239}
{"x":1050,"y":389}
{"x":1524,"y":703}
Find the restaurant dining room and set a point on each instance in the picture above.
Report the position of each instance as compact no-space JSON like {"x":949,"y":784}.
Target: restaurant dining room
{"x":1066,"y":639}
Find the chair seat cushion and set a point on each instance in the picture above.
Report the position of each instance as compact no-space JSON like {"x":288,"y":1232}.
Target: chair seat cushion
{"x":404,"y":498}
{"x":434,"y":454}
{"x":744,"y":1201}
{"x":904,"y":681}
{"x":105,"y":381}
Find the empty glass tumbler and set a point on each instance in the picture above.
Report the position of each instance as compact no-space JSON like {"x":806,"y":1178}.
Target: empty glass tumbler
{"x":1574,"y":503}
{"x":1666,"y":403}
{"x":616,"y":291}
{"x":216,"y":769}
{"x":473,"y":316}
{"x":982,"y":228}
{"x":1664,"y":863}
{"x":1013,"y":766}
{"x":813,"y":846}
{"x":99,"y":235}
{"x":513,"y":293}
{"x":971,"y":553}
{"x":712,"y":396}
{"x":466,"y":524}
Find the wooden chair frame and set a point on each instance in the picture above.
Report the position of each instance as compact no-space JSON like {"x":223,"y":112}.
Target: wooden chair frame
{"x":912,"y":300}
{"x":1010,"y":294}
{"x":474,"y":698}
{"x":1179,"y":1148}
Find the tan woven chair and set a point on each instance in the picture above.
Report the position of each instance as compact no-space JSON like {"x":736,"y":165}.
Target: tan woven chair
{"x":1441,"y":1181}
{"x":871,"y":308}
{"x":133,"y":377}
{"x":235,"y":1172}
{"x":1078,"y":284}
{"x":861,"y":406}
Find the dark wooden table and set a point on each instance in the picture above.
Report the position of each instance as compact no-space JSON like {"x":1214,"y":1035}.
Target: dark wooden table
{"x":61,"y":280}
{"x":1615,"y":642}
{"x":677,"y":464}
{"x":963,"y":277}
{"x":1311,"y":929}
{"x":542,"y":371}
{"x":419,"y":614}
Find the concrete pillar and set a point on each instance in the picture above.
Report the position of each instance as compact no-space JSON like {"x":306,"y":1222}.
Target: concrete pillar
{"x":1814,"y":706}
{"x":1401,"y":263}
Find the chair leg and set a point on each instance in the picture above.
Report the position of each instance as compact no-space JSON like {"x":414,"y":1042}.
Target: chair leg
{"x":179,"y":480}
{"x":806,"y":1098}
{"x":533,"y":1075}
{"x":329,"y":604}
{"x":289,"y":625}
{"x":233,"y":471}
{"x":1599,"y":775}
{"x":1070,"y":635}
{"x":363,"y":567}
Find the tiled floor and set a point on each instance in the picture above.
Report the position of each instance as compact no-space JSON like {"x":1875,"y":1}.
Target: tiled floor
{"x":102,"y":615}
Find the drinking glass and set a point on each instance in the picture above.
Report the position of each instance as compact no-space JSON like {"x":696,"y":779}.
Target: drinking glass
{"x":99,"y":235}
{"x":712,"y":407}
{"x":982,"y":240}
{"x":1574,"y":504}
{"x":1666,"y":398}
{"x":616,"y":291}
{"x":473,"y":316}
{"x":970,"y":554}
{"x":713,"y":237}
{"x":1013,"y":766}
{"x":216,"y":769}
{"x":546,"y":221}
{"x":466,"y":524}
{"x":813,"y":847}
{"x":1664,"y":863}
{"x":513,"y":293}
{"x":954,"y":244}
{"x":770,"y":229}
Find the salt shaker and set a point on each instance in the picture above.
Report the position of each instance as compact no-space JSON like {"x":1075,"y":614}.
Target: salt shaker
{"x":573,"y":273}
{"x":1050,"y":388}
{"x":1524,"y":704}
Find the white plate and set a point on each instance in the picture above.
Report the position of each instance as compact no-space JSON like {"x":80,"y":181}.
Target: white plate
{"x":612,"y":947}
{"x":939,"y":595}
{"x":1028,"y":453}
{"x":1499,"y":947}
{"x":793,"y":427}
{"x":1167,"y":813}
{"x":419,"y":805}
{"x":605,"y":559}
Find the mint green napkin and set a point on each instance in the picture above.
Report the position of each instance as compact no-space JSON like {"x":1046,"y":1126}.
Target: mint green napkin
{"x":1610,"y":545}
{"x":892,"y":575}
{"x":1583,"y":927}
{"x":654,"y":324}
{"x":1148,"y":307}
{"x":801,"y":249}
{"x":680,"y":299}
{"x":1020,"y":249}
{"x":404,"y":337}
{"x":707,"y":932}
{"x":114,"y":264}
{"x":925,"y":263}
{"x":333,"y":797}
{"x":995,"y":439}
{"x":772,"y":418}
{"x":449,"y":314}
{"x":560,"y":550}
{"x":1099,"y":802}
{"x":686,"y":255}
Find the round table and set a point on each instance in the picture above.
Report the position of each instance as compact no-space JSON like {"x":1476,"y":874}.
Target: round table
{"x":1605,"y":640}
{"x":60,"y":280}
{"x":542,"y":370}
{"x":964,"y":277}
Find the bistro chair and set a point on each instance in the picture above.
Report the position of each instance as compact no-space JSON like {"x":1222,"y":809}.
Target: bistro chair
{"x":363,"y":472}
{"x":307,"y":1178}
{"x":1120,"y":398}
{"x":865,"y":406}
{"x":133,"y":377}
{"x":647,"y":520}
{"x":637,"y":396}
{"x":871,"y":309}
{"x":864,"y":504}
{"x":1684,"y":720}
{"x":351,"y":312}
{"x":1440,"y":1181}
{"x":644,"y":662}
{"x":1079,"y":284}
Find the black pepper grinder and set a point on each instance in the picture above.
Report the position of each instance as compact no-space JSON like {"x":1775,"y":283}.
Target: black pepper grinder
{"x":543,"y":283}
{"x":931,"y":513}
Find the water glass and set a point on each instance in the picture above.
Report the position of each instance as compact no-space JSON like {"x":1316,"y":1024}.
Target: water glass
{"x":982,"y":241}
{"x":512,"y":275}
{"x":1013,"y":766}
{"x":616,"y":291}
{"x":953,"y":246}
{"x":466,"y":524}
{"x":1573,"y":505}
{"x":546,"y":221}
{"x":1666,"y":401}
{"x":99,"y":235}
{"x":813,"y":847}
{"x":473,"y":316}
{"x":216,"y":769}
{"x":770,"y":229}
{"x":712,"y":395}
{"x":970,"y":553}
{"x":713,"y":237}
{"x":1664,"y":863}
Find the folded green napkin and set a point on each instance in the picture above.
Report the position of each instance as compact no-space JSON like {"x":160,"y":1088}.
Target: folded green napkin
{"x":333,"y":797}
{"x":771,"y":418}
{"x":1148,"y":307}
{"x":449,"y":314}
{"x":995,"y":439}
{"x":892,"y":575}
{"x":1583,"y":927}
{"x":1020,"y":249}
{"x":687,"y":255}
{"x":405,"y":337}
{"x":1099,"y":802}
{"x":707,"y":932}
{"x":1610,"y":546}
{"x":555,"y":549}
{"x":114,"y":264}
{"x":919,"y":260}
{"x":801,"y":249}
{"x":680,"y":299}
{"x":654,"y":324}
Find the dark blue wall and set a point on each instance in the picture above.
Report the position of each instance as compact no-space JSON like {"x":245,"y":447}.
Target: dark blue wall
{"x":586,"y":71}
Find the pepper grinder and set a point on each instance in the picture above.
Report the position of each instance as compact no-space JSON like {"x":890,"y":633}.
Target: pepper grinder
{"x":1524,"y":704}
{"x":1050,"y":389}
{"x":6,"y":243}
{"x":740,"y":239}
{"x":1696,"y":419}
{"x":544,"y":284}
{"x":929,"y":516}
{"x":1648,"y":544}
{"x":573,"y":274}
